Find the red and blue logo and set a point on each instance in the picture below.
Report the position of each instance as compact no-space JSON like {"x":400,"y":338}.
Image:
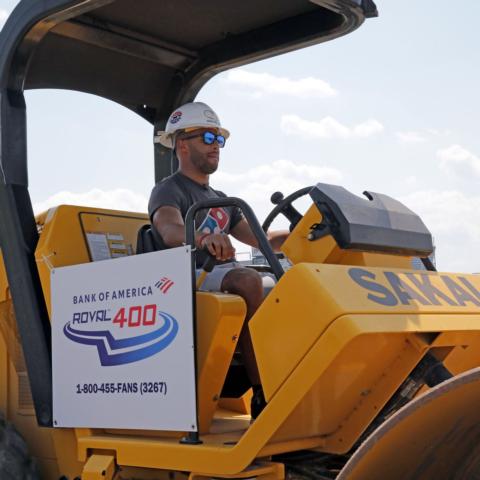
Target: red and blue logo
{"x":176,"y":117}
{"x":132,"y":348}
{"x":215,"y":222}
{"x":164,"y":284}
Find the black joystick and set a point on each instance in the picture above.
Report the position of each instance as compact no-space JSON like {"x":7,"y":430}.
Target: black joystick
{"x":276,"y":198}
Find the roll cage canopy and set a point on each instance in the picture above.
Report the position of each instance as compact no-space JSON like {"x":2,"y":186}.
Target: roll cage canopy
{"x":147,"y":55}
{"x":153,"y":55}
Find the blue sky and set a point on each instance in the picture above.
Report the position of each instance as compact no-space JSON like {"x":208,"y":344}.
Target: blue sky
{"x":393,"y":108}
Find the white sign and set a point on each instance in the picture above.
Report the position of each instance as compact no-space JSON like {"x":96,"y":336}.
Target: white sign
{"x":122,"y":341}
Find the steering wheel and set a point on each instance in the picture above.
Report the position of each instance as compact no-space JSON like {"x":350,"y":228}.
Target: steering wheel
{"x":284,"y":206}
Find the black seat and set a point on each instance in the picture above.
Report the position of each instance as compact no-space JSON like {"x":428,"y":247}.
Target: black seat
{"x":146,"y":241}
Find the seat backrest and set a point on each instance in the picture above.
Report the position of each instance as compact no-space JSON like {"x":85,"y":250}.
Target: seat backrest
{"x":145,"y":240}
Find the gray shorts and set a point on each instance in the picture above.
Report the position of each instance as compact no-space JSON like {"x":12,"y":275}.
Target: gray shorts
{"x":213,"y":280}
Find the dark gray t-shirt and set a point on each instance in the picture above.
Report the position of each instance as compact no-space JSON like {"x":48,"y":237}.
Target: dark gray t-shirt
{"x":181,"y":192}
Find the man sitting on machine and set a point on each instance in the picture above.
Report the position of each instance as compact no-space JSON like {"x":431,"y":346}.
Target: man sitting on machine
{"x":194,"y":132}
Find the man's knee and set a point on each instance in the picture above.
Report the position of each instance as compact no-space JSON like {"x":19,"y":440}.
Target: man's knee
{"x":245,"y":282}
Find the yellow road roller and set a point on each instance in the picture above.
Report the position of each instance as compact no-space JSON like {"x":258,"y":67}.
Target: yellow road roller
{"x":114,"y":367}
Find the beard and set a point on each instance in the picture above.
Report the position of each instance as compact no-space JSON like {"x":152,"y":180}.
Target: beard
{"x":200,"y":160}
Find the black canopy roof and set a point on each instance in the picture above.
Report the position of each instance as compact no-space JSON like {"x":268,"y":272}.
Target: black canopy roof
{"x":151,"y":55}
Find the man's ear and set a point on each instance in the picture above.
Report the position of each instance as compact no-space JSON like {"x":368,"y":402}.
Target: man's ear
{"x":182,"y":147}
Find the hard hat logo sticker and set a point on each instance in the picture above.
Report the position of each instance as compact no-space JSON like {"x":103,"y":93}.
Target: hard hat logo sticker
{"x":176,"y":117}
{"x":210,"y":115}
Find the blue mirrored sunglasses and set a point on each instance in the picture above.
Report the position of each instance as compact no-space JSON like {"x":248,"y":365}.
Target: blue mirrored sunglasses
{"x":208,"y":138}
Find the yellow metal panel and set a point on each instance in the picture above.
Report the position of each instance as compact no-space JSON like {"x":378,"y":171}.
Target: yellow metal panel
{"x":134,"y":473}
{"x":240,"y":405}
{"x":99,"y":467}
{"x":120,"y":224}
{"x":219,"y":322}
{"x":63,"y":241}
{"x":4,"y":314}
{"x":289,"y":322}
{"x":349,"y":257}
{"x":65,"y":442}
{"x":309,"y":297}
{"x":260,"y":470}
{"x":298,"y":248}
{"x":3,"y":280}
{"x":349,"y":392}
{"x":464,"y":357}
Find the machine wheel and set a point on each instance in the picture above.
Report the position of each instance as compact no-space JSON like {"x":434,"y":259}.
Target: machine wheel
{"x":434,"y":436}
{"x":15,"y":460}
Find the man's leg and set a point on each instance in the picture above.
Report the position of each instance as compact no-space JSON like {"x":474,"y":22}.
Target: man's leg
{"x":247,"y":283}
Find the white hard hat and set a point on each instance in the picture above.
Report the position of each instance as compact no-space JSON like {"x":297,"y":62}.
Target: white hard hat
{"x":189,"y":116}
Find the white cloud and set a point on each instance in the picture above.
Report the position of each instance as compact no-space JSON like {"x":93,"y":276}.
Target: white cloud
{"x":454,"y":220}
{"x":265,"y":83}
{"x":328,"y":127}
{"x":459,"y":161}
{"x":257,"y":184}
{"x":119,"y":199}
{"x":410,"y":137}
{"x":3,"y":16}
{"x":411,"y":180}
{"x":439,"y":133}
{"x":367,"y":129}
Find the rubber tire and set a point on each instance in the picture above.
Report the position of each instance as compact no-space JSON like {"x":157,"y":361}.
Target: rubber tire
{"x":15,"y":460}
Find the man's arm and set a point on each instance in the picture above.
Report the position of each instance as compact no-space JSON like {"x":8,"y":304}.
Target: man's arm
{"x":170,"y":225}
{"x":244,"y":234}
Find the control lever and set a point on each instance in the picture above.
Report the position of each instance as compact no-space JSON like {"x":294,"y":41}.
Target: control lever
{"x":276,"y":198}
{"x":207,"y":267}
{"x":288,"y":210}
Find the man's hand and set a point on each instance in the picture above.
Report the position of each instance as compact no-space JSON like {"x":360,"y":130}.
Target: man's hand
{"x":169,"y":223}
{"x":244,"y":234}
{"x":219,"y":245}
